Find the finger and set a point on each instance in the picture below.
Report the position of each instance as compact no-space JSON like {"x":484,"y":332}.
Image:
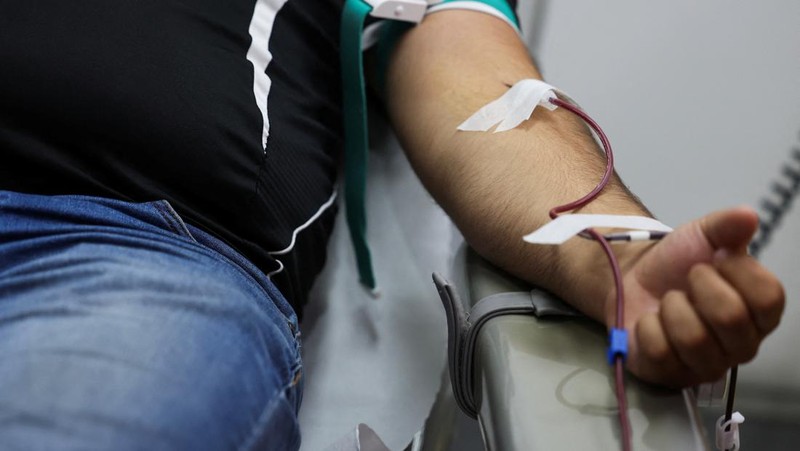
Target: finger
{"x":721,"y":307}
{"x":761,"y":291}
{"x":730,"y":229}
{"x":690,"y":337}
{"x":652,"y":357}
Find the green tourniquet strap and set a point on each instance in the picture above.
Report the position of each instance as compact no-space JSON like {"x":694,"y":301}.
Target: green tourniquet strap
{"x":355,"y":134}
{"x":354,"y":99}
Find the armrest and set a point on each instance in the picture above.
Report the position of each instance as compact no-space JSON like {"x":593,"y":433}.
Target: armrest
{"x":542,"y":382}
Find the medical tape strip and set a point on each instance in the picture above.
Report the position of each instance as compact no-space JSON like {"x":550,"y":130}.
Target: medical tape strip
{"x":354,"y":15}
{"x":514,"y":107}
{"x":565,"y":227}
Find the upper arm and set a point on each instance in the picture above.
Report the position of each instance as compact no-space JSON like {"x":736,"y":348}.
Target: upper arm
{"x":444,"y":69}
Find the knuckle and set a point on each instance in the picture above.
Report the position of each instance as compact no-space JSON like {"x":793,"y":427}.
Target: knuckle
{"x":773,"y":297}
{"x":653,"y":347}
{"x":732,"y":317}
{"x":657,"y":351}
{"x":671,"y":303}
{"x":673,"y":294}
{"x":742,"y":353}
{"x":697,"y":272}
{"x":749,"y":353}
{"x":693,"y":339}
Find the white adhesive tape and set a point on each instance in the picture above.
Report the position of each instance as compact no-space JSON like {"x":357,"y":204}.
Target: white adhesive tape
{"x":513,"y":107}
{"x":565,"y":227}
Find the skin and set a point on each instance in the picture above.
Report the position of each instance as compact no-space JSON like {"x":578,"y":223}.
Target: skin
{"x":696,"y":303}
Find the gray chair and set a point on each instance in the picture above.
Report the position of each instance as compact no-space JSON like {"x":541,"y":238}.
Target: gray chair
{"x":533,"y":371}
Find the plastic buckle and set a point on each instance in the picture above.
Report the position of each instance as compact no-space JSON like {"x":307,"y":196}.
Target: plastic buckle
{"x":404,"y":10}
{"x":729,"y":440}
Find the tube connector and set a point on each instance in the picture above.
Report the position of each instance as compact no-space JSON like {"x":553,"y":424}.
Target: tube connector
{"x":728,"y":440}
{"x":618,"y":345}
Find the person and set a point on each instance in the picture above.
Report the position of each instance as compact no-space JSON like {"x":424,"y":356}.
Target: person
{"x":169,"y":182}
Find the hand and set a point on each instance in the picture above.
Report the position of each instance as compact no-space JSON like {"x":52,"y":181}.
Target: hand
{"x":696,"y":303}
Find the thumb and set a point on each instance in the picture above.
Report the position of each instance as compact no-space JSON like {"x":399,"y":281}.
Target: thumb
{"x":730,"y":229}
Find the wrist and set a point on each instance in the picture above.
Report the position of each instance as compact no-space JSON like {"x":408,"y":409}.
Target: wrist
{"x":585,"y":277}
{"x":628,"y":255}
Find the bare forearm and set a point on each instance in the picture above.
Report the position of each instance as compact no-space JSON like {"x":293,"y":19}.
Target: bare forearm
{"x":498,"y":187}
{"x":695,"y":302}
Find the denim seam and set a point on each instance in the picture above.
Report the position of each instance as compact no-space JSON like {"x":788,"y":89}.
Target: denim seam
{"x":173,"y":219}
{"x":168,"y":219}
{"x":258,"y":427}
{"x":177,"y":226}
{"x":252,"y":279}
{"x":220,"y":255}
{"x":267,"y":295}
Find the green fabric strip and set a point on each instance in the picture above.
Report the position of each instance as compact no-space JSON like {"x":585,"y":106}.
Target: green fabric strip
{"x":355,"y":134}
{"x":354,"y":100}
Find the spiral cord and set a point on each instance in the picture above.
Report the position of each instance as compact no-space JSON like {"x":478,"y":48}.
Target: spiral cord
{"x":774,"y":207}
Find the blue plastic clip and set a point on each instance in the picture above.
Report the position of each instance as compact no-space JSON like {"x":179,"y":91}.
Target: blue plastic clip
{"x":618,"y":345}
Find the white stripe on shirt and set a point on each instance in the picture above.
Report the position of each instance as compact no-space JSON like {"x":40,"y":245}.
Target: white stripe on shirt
{"x":259,"y":55}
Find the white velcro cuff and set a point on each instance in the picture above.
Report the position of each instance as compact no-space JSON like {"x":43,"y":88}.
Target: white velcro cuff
{"x":474,"y":6}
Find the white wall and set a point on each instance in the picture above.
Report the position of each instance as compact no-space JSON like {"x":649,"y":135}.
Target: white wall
{"x":701,"y":101}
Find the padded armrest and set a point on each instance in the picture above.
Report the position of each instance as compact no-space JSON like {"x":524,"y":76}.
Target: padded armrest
{"x":542,"y":383}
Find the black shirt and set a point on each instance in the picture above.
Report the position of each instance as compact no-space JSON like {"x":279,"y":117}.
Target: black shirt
{"x":230,"y":110}
{"x":173,"y":99}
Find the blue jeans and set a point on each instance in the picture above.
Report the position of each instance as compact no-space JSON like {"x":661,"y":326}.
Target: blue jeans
{"x":121,"y":327}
